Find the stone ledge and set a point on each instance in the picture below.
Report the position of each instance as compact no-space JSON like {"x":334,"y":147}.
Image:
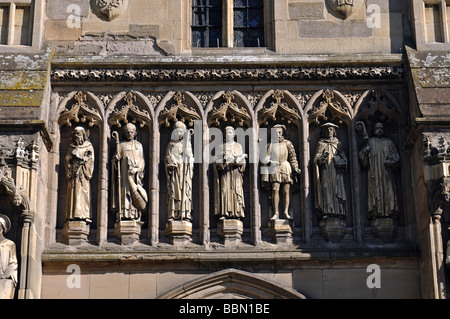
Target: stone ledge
{"x":227,"y":57}
{"x":229,"y":255}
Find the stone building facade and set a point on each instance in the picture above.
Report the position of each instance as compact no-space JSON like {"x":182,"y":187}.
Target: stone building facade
{"x":76,"y":73}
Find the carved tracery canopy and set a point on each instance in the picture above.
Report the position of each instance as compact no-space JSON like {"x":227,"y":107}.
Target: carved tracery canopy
{"x":178,"y":112}
{"x":229,"y":111}
{"x":379,"y":104}
{"x":328,"y":107}
{"x":80,"y":112}
{"x":278,"y":111}
{"x":129,"y":112}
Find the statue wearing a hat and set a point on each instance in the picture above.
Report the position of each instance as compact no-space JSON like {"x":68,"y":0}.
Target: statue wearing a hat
{"x":330,"y":163}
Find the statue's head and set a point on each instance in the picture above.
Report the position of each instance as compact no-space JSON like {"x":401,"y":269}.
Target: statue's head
{"x":179,"y":129}
{"x":229,"y":133}
{"x":79,"y":135}
{"x":329,"y":129}
{"x":129,"y":131}
{"x":277,"y":132}
{"x":5,"y":224}
{"x":17,"y":200}
{"x":379,"y":129}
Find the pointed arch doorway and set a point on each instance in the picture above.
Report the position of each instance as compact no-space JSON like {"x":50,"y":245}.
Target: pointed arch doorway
{"x":231,"y":284}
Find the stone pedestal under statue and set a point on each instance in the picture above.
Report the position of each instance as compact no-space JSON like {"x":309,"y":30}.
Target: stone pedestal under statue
{"x":76,"y":232}
{"x":281,"y":231}
{"x":333,"y":229}
{"x":128,"y":231}
{"x":179,"y":232}
{"x":231,"y":231}
{"x":384,"y":229}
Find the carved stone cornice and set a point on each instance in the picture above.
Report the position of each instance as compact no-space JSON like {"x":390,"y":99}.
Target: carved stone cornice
{"x":226,"y":74}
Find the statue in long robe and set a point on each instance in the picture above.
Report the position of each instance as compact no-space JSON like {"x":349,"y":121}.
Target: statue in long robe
{"x":179,"y":166}
{"x":129,"y":195}
{"x":282,"y":167}
{"x":8,"y":261}
{"x":79,"y":164}
{"x":381,"y":156}
{"x":329,"y":165}
{"x":229,"y":168}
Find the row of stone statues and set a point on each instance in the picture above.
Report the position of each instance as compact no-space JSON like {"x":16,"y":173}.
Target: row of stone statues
{"x":279,"y":169}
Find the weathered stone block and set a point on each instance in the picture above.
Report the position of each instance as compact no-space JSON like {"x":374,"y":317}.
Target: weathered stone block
{"x":76,"y":232}
{"x":281,"y":231}
{"x":179,"y":232}
{"x":306,"y":11}
{"x":231,"y":231}
{"x":128,"y":231}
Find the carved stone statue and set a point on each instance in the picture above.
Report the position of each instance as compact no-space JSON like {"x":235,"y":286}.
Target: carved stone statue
{"x":229,"y":168}
{"x":79,"y":164}
{"x":179,"y":166}
{"x":283,"y":165}
{"x":8,"y":261}
{"x":330,"y":164}
{"x":381,"y":156}
{"x":129,"y":195}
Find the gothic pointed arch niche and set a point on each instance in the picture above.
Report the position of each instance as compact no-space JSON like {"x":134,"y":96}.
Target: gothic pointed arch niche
{"x":280,"y":107}
{"x":78,"y":109}
{"x":232,"y":284}
{"x":329,"y":108}
{"x":230,"y":109}
{"x":378,"y":105}
{"x":184,"y":107}
{"x":128,"y":197}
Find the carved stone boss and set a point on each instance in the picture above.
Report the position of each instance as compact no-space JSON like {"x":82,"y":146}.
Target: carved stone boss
{"x":109,"y":9}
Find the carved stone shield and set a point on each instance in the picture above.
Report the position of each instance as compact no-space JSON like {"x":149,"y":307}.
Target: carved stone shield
{"x":109,"y":9}
{"x":343,"y":8}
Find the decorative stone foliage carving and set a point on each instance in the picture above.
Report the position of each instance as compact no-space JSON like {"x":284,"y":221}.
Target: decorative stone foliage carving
{"x":253,"y":74}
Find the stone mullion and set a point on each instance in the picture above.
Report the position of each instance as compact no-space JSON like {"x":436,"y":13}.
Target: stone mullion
{"x":444,"y":22}
{"x":227,"y":28}
{"x":305,"y":203}
{"x":204,"y":192}
{"x":255,"y":208}
{"x":102,"y":211}
{"x":153,"y":228}
{"x":11,"y":22}
{"x":355,"y":186}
